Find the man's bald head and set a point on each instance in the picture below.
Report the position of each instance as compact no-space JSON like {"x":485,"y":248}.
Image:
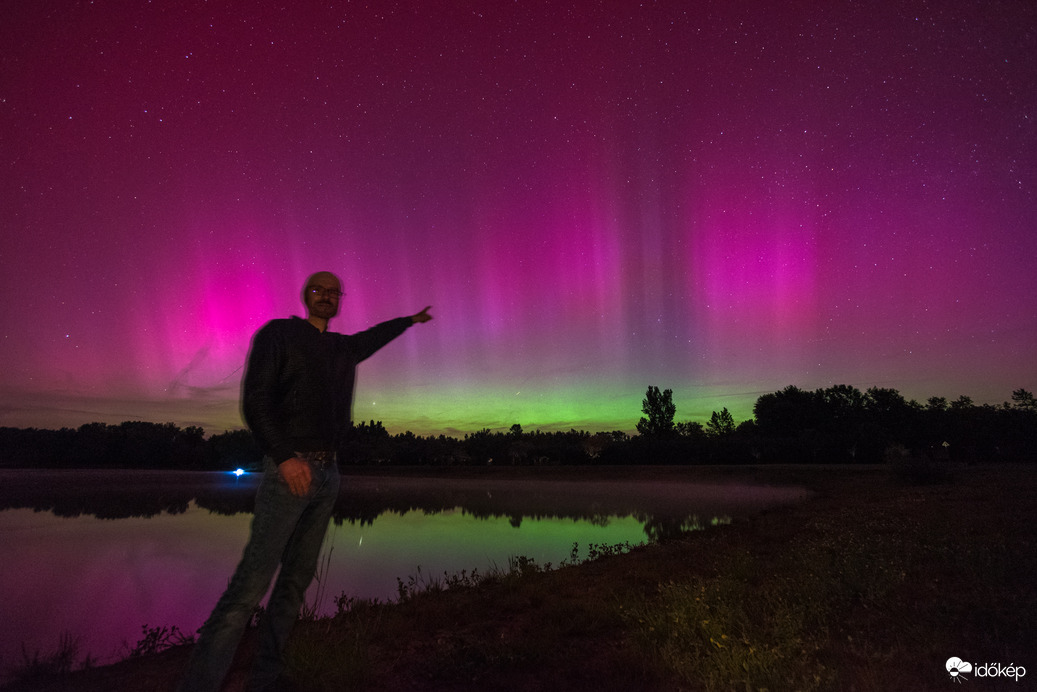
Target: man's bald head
{"x":320,"y":295}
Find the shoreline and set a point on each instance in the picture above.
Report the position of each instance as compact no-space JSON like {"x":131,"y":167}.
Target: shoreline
{"x":485,"y":636}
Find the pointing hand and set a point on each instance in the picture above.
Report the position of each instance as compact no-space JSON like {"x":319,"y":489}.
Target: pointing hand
{"x":422,"y":316}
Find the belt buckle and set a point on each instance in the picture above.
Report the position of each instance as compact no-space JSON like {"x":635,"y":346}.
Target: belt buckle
{"x":321,"y":459}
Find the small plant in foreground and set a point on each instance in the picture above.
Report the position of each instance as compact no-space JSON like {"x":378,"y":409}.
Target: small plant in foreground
{"x":346,"y":604}
{"x":311,"y":610}
{"x":518,"y":566}
{"x":157,"y":639}
{"x":595,"y":551}
{"x":64,"y":660}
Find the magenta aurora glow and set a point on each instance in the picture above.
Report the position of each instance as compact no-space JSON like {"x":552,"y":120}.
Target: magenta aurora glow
{"x":721,"y":198}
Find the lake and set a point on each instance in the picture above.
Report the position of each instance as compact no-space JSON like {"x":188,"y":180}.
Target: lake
{"x":98,"y":555}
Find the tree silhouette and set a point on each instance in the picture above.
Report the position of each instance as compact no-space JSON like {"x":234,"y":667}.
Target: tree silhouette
{"x":690,"y":429}
{"x":1024,"y":399}
{"x":660,"y":410}
{"x":786,"y":413}
{"x":721,"y":424}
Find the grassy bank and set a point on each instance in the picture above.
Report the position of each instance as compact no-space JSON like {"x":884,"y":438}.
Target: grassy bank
{"x":871,"y":584}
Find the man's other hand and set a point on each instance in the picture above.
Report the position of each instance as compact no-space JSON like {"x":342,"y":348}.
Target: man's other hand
{"x":296,"y":473}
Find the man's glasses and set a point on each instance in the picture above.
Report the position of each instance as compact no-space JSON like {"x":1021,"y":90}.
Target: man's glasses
{"x":321,"y":291}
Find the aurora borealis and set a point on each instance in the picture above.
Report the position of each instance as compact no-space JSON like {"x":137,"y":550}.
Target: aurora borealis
{"x":721,"y":198}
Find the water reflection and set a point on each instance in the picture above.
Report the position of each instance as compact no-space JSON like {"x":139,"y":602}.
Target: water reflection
{"x":100,"y":554}
{"x":665,"y":508}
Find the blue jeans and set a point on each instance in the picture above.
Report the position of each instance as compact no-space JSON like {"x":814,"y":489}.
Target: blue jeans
{"x":286,"y":530}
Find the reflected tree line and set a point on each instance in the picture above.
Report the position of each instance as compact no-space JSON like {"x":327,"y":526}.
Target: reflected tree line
{"x":118,"y":494}
{"x":840,"y":424}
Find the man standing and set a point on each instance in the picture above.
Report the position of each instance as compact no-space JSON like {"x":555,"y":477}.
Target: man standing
{"x":296,"y":397}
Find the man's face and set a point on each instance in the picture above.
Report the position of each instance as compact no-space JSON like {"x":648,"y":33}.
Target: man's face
{"x":322,"y":294}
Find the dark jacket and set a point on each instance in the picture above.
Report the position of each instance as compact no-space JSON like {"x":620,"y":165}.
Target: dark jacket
{"x":297,"y":394}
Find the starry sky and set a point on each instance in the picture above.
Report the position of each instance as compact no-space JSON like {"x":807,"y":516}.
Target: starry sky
{"x":717,"y":197}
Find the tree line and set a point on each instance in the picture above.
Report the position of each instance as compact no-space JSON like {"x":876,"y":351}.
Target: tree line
{"x":842,"y":424}
{"x":839,"y":424}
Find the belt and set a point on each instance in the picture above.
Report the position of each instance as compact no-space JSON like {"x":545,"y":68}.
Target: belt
{"x":319,"y":459}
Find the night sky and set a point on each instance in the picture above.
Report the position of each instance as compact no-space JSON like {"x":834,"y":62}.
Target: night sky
{"x":722,"y":198}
